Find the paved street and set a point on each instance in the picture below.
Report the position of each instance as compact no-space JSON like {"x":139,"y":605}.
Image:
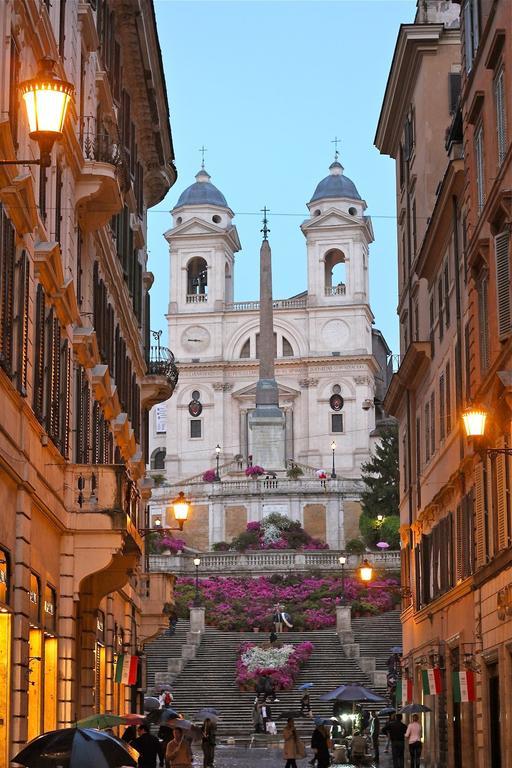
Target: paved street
{"x":241,"y":757}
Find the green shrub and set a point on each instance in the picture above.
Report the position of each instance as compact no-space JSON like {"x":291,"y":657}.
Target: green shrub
{"x":246,"y":540}
{"x":355,"y":547}
{"x":221,"y":546}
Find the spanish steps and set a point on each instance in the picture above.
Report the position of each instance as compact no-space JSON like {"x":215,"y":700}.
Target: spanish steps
{"x":208,"y":680}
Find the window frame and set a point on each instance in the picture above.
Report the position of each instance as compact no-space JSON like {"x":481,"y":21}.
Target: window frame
{"x":195,"y":437}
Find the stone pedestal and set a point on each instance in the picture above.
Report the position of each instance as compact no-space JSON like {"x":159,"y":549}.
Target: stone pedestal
{"x":266,"y":438}
{"x":197,"y":619}
{"x":343,"y":619}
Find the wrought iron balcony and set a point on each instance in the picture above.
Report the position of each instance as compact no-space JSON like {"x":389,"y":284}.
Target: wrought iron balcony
{"x":97,"y":144}
{"x":162,"y":374}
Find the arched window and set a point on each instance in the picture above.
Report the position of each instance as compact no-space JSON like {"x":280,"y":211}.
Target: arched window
{"x":245,"y":352}
{"x":287,"y":348}
{"x":197,"y":277}
{"x":335,"y":272}
{"x":158,"y":459}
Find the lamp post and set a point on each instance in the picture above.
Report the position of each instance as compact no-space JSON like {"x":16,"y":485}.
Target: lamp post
{"x":217,"y":457}
{"x":380,"y":520}
{"x":197,"y":563}
{"x":342,"y":560}
{"x":333,"y":448}
{"x":47,"y":99}
{"x":181,"y":508}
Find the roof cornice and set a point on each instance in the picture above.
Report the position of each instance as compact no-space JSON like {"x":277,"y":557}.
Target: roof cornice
{"x":414,"y":41}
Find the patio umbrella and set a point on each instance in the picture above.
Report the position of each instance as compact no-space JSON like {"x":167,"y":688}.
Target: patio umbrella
{"x":76,"y":748}
{"x":382,"y":545}
{"x":414,"y":709}
{"x":101,"y":721}
{"x":305,"y":686}
{"x":151,"y":703}
{"x":351,"y":693}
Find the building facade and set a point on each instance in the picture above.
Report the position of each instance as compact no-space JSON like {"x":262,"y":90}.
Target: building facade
{"x":330,"y":367}
{"x":77,"y":375}
{"x":453,"y":201}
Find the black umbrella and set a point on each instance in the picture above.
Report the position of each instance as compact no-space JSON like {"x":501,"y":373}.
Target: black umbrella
{"x":161,"y":716}
{"x":76,"y":748}
{"x":292,"y":713}
{"x":386,"y":711}
{"x":413,"y":709}
{"x":351,"y":693}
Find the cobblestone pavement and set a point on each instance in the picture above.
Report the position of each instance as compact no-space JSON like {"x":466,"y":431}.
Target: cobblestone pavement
{"x":242,"y":757}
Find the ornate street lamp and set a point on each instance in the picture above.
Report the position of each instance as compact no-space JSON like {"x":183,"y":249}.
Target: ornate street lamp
{"x":342,"y":559}
{"x":47,"y":100}
{"x":197,"y":563}
{"x":365,"y":571}
{"x":217,"y":457}
{"x":333,"y":448}
{"x":474,"y":419}
{"x":181,"y":508}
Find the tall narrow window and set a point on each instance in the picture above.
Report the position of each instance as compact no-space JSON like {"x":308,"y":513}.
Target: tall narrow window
{"x":467,"y":360}
{"x":22,"y":322}
{"x":483,"y":322}
{"x":446,"y":295}
{"x":7,"y":282}
{"x":432,"y":423}
{"x":13,"y":90}
{"x":440,"y":307}
{"x":442,"y":426}
{"x":502,"y":247}
{"x":62,"y":27}
{"x":432,"y":341}
{"x":448,"y":398}
{"x":39,"y":354}
{"x":83,"y":416}
{"x":427,"y":432}
{"x":58,"y":201}
{"x":414,"y":229}
{"x":479,"y":167}
{"x":501,"y":117}
{"x":336,"y":422}
{"x":196,"y":428}
{"x":471,"y":13}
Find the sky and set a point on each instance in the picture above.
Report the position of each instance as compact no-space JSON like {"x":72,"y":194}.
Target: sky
{"x":266,"y":86}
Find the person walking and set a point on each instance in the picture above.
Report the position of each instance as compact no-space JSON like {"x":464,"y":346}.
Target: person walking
{"x":320,"y":746}
{"x":290,"y":751}
{"x":208,"y":743}
{"x":178,"y":753}
{"x":414,"y":733}
{"x":305,"y":706}
{"x":374,"y":735}
{"x":396,"y":730}
{"x":148,"y":748}
{"x":278,"y":618}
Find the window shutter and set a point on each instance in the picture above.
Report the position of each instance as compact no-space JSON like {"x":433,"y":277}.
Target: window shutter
{"x":39,"y":340}
{"x":7,"y":270}
{"x":454,"y":90}
{"x":427,"y":432}
{"x":65,"y":397}
{"x":22,"y":325}
{"x":432,"y":423}
{"x":501,"y":246}
{"x":501,"y":118}
{"x":448,"y":399}
{"x":483,"y":322}
{"x":55,"y":379}
{"x":501,"y":498}
{"x":479,"y":167}
{"x":442,"y":424}
{"x":458,"y":539}
{"x":480,"y":515}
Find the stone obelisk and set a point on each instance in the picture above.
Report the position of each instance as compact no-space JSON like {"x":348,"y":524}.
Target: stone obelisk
{"x":267,"y":421}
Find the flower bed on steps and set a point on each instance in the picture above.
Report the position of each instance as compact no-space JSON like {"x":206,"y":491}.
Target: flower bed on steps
{"x":281,"y":664}
{"x":242,"y":604}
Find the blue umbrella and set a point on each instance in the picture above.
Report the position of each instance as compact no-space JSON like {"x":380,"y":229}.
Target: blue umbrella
{"x":305,"y":686}
{"x":319,"y":720}
{"x":396,"y":649}
{"x":351,"y":693}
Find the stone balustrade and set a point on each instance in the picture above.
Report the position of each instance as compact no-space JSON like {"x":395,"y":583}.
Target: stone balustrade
{"x":277,"y":561}
{"x":277,"y":486}
{"x":245,"y":306}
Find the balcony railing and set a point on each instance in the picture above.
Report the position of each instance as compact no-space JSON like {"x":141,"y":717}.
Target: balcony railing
{"x":247,"y":306}
{"x":274,"y":486}
{"x":336,"y":290}
{"x":256,"y":563}
{"x":197,"y":298}
{"x":97,"y":144}
{"x":160,"y":362}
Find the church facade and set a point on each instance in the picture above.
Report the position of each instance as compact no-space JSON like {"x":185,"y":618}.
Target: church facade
{"x":330,"y":367}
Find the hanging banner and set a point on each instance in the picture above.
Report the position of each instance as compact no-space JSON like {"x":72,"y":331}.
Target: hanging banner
{"x":431,"y":679}
{"x":126,"y":669}
{"x":464,"y":686}
{"x":404,"y":691}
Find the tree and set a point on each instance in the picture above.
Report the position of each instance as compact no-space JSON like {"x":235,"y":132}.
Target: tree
{"x":381,"y":494}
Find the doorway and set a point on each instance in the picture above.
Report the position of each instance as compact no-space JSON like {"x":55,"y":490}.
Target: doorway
{"x":494,"y":715}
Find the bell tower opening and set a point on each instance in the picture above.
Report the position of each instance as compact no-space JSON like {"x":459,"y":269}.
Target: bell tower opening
{"x":335,"y":273}
{"x":197,"y":277}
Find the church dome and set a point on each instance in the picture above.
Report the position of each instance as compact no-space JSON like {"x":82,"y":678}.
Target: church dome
{"x":335,"y":185}
{"x":202,"y":192}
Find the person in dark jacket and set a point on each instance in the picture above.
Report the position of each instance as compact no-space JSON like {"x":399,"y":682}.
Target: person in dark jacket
{"x":396,"y":730}
{"x":374,"y":734}
{"x":148,"y":747}
{"x":129,"y":734}
{"x":320,"y":746}
{"x":208,"y":742}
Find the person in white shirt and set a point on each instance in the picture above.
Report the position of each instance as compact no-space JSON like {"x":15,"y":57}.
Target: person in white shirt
{"x":413,"y":733}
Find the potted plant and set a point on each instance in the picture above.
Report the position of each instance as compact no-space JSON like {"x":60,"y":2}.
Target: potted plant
{"x":209,"y":476}
{"x":294,"y":472}
{"x":254,"y":471}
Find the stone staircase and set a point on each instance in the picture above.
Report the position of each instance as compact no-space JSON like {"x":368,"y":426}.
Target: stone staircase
{"x":208,"y":679}
{"x":372,"y":634}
